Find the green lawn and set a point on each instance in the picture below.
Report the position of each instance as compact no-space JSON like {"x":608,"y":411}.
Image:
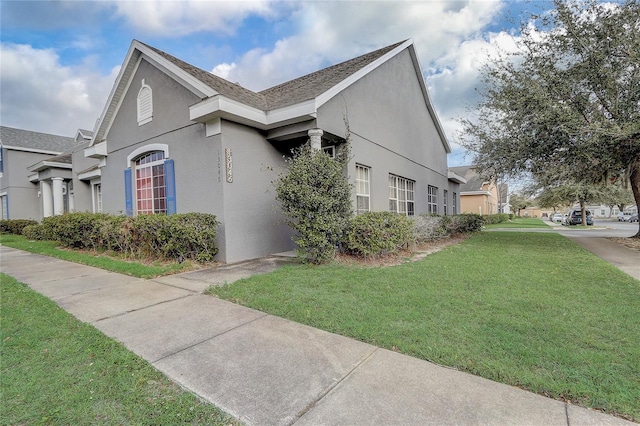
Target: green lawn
{"x":520,"y":222}
{"x":533,"y":310}
{"x":58,"y":370}
{"x":109,"y":263}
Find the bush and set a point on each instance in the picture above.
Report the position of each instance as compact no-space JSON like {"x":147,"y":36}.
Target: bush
{"x":316,"y":199}
{"x":465,"y":222}
{"x":15,"y":226}
{"x":491,"y":219}
{"x":180,"y":237}
{"x":376,"y":233}
{"x":430,"y":227}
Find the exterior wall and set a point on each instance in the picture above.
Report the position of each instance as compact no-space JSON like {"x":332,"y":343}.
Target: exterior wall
{"x":253,"y":223}
{"x":395,"y":136}
{"x":82,"y":196}
{"x":22,"y":195}
{"x":250,"y":223}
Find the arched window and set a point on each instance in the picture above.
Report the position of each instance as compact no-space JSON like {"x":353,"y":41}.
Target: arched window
{"x":145,"y":104}
{"x":150,"y":183}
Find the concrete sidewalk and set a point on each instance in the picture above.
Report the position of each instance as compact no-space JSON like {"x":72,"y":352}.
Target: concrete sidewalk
{"x":265,"y":370}
{"x":623,"y":258}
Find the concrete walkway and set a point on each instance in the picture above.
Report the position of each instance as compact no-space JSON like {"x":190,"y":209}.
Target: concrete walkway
{"x":265,"y":370}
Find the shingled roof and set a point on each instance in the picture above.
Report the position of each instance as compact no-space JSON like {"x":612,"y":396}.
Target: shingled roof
{"x":474,"y":181}
{"x":36,"y":141}
{"x":289,"y":93}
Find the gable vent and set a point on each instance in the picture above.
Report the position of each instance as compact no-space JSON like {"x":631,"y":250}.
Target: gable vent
{"x":145,"y":104}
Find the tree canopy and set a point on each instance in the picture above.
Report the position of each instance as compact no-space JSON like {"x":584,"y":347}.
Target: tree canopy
{"x":566,"y":106}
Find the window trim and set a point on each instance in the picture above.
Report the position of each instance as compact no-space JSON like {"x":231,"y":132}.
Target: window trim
{"x":432,"y":199}
{"x":445,"y":196}
{"x":402,"y":198}
{"x":366,"y":195}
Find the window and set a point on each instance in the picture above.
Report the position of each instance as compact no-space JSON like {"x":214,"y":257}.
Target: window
{"x":150,"y":184}
{"x":401,"y":193}
{"x":97,"y":196}
{"x":145,"y":104}
{"x":330,"y":151}
{"x":149,"y":181}
{"x":454,"y":203}
{"x":4,"y":206}
{"x":432,"y":199}
{"x":444,"y":202}
{"x":363,"y":189}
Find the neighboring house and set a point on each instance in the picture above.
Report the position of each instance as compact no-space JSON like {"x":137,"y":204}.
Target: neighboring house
{"x":33,"y":173}
{"x":479,"y":195}
{"x":175,"y":138}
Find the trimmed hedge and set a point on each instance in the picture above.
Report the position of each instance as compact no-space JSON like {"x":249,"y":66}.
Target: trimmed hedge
{"x":15,"y":226}
{"x":376,"y":233}
{"x":178,"y":237}
{"x":491,"y":219}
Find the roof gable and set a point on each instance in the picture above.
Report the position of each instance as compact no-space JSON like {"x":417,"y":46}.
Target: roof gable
{"x":293,"y":101}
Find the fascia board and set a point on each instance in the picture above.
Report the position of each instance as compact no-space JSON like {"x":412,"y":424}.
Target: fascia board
{"x":98,"y":150}
{"x":43,"y":165}
{"x":219,"y":106}
{"x":136,"y":53}
{"x":475,"y":193}
{"x":130,"y":62}
{"x":92,"y":174}
{"x":332,"y":92}
{"x":455,"y":177}
{"x":35,"y":151}
{"x":427,"y":99}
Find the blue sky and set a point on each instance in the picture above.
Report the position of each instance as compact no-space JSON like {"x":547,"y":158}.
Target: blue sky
{"x":59,"y":59}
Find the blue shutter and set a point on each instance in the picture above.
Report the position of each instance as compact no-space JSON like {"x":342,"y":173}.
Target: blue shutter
{"x":170,"y":182}
{"x":128,"y":203}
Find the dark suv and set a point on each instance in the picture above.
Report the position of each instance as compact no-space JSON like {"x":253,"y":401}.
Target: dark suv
{"x":575,"y":218}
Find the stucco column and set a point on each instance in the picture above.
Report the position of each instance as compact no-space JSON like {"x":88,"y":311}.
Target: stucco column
{"x":58,"y":196}
{"x":47,"y":200}
{"x":315,"y":137}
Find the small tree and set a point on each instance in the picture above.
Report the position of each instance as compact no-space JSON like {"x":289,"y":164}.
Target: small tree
{"x":519,"y":202}
{"x":316,"y":198}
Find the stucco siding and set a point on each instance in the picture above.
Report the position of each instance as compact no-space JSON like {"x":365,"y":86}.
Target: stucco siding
{"x":391,"y":131}
{"x":22,"y":195}
{"x":253,"y":223}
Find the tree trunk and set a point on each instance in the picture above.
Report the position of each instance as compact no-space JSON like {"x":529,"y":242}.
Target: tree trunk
{"x":634,"y":177}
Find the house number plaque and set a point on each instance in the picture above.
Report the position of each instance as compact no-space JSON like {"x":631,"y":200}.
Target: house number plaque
{"x":229,"y":164}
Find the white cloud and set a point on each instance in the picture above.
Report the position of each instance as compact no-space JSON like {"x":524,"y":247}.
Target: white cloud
{"x":177,"y":18}
{"x":38,"y":93}
{"x":224,"y":70}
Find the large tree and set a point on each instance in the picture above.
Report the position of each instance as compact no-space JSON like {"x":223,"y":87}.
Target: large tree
{"x":566,"y":105}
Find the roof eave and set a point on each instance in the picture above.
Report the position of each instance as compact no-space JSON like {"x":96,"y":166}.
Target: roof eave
{"x":137,"y":50}
{"x":219,"y":106}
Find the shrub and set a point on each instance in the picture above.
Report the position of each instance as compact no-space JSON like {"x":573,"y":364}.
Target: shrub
{"x":491,"y":219}
{"x":181,"y":236}
{"x":428,"y":227}
{"x":465,"y":222}
{"x":316,"y":199}
{"x":376,"y":233}
{"x":15,"y":226}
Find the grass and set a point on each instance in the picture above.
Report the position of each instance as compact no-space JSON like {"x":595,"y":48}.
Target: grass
{"x":533,"y":310}
{"x":520,"y":222}
{"x":58,"y":370}
{"x":99,"y":260}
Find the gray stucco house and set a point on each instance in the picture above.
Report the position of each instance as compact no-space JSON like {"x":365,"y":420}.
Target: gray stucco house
{"x":174,"y":138}
{"x":35,"y":173}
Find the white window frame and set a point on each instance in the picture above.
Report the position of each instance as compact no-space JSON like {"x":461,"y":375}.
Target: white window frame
{"x":432,"y":199}
{"x":401,"y":195}
{"x":4,"y":205}
{"x":363,"y":189}
{"x":140,"y":174}
{"x":454,"y":204}
{"x":445,"y":195}
{"x":96,"y":196}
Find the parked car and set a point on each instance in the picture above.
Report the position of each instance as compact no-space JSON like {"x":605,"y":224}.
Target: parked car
{"x":575,"y":218}
{"x":623,"y":216}
{"x":633,"y":217}
{"x":557,"y":217}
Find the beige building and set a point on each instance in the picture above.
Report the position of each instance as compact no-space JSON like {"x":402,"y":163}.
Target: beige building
{"x":478,"y":195}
